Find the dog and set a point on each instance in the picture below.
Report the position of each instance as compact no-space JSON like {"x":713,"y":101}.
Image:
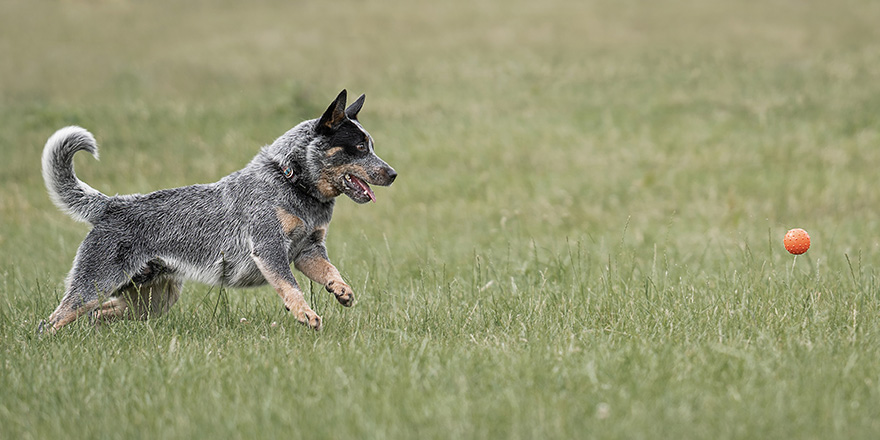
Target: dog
{"x":244,"y":230}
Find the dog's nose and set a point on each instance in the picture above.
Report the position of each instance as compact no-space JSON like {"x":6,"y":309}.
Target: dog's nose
{"x":391,"y":175}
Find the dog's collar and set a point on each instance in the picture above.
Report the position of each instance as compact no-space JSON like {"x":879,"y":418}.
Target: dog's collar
{"x":291,"y":175}
{"x":288,"y":172}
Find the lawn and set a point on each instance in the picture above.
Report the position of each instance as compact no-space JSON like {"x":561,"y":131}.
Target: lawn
{"x":585,"y":239}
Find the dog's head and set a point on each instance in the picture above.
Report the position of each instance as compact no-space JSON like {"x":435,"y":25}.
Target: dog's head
{"x":342,"y":158}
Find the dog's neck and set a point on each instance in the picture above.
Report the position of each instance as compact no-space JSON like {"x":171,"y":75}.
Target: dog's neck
{"x":288,"y":157}
{"x":292,"y":173}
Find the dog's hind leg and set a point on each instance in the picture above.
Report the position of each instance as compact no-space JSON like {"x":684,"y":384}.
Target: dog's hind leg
{"x":78,"y":301}
{"x":150,"y":292}
{"x":92,"y":279}
{"x":72,"y":306}
{"x":112,"y":309}
{"x":155,"y":298}
{"x":141,"y":301}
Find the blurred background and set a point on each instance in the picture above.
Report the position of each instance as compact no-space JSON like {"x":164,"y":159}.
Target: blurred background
{"x":690,"y":122}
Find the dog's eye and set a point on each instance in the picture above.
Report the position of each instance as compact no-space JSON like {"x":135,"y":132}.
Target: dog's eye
{"x":362,"y":147}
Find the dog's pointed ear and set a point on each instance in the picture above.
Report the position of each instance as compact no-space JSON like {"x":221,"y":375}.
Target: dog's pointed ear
{"x":355,"y":107}
{"x":334,"y":115}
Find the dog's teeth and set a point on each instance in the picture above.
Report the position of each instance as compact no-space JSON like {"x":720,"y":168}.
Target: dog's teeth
{"x":348,"y":177}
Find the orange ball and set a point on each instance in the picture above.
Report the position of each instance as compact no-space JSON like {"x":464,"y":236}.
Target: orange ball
{"x":796,"y":241}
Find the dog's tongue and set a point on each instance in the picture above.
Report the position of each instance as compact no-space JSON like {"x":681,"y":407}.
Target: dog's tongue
{"x":366,"y":188}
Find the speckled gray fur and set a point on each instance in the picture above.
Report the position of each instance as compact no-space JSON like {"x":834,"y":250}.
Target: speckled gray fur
{"x":216,"y":233}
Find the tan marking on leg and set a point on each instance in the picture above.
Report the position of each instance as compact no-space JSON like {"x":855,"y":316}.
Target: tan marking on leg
{"x":318,"y":270}
{"x":291,"y":296}
{"x":65,"y":314}
{"x":325,"y":273}
{"x":112,"y":309}
{"x":289,"y":222}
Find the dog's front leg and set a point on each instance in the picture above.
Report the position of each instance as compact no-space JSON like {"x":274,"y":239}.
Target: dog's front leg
{"x":314,"y":264}
{"x":276,"y":270}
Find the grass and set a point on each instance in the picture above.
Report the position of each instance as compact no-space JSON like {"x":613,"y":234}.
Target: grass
{"x":584,"y":240}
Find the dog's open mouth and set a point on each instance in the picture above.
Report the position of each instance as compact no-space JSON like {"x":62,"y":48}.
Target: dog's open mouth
{"x":358,"y":190}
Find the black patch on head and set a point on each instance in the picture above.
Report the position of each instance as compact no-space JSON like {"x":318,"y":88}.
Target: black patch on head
{"x":348,"y":136}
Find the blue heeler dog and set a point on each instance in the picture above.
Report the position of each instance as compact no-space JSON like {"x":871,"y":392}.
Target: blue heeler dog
{"x":242,"y":231}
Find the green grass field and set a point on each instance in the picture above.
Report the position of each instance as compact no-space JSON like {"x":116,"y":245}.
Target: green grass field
{"x":585,"y":240}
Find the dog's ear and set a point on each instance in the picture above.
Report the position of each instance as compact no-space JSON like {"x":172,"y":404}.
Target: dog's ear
{"x":355,"y":107}
{"x":334,"y":115}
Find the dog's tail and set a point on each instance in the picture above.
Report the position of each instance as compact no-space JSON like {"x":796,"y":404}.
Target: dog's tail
{"x":70,"y":194}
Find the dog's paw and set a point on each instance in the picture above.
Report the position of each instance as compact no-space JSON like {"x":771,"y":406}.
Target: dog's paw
{"x":308,"y":317}
{"x":342,"y":292}
{"x":45,"y":328}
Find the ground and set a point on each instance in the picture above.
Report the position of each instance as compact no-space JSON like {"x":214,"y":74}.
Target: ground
{"x":585,"y":239}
